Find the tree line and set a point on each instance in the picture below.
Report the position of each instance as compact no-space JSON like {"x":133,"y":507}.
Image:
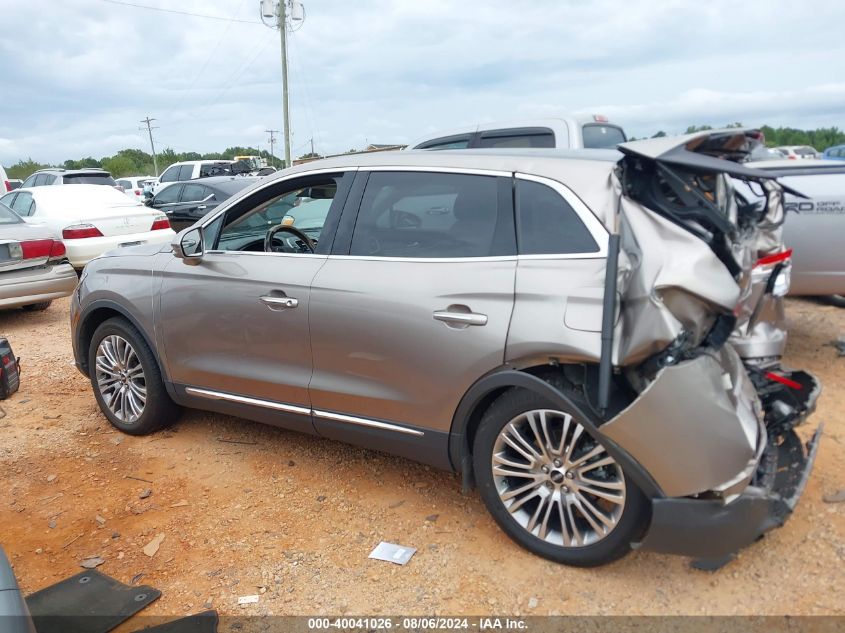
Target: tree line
{"x":820,"y":138}
{"x":136,"y":162}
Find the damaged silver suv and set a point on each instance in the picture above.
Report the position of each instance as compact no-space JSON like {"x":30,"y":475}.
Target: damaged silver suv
{"x":559,"y":327}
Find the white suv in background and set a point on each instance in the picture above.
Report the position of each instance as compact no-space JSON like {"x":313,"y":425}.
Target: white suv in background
{"x":567,"y":132}
{"x":192,"y":169}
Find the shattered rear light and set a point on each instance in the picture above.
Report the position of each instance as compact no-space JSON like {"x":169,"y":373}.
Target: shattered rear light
{"x":783,"y":380}
{"x":774,"y":259}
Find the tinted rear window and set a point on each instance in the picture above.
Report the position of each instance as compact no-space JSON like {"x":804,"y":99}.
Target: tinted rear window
{"x":7,"y":216}
{"x":88,"y":179}
{"x":597,"y":135}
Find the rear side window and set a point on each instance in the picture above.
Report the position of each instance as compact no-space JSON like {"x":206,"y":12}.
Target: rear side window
{"x":125,"y":184}
{"x":186,"y":172}
{"x":597,"y":136}
{"x":539,"y":137}
{"x":431,"y":215}
{"x":449,"y":142}
{"x":168,"y":194}
{"x":89,"y":179}
{"x":194,"y":193}
{"x":24,"y":205}
{"x":546,"y":224}
{"x":170,"y":174}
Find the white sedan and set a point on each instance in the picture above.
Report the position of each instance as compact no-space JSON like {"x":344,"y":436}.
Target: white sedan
{"x":91,"y":219}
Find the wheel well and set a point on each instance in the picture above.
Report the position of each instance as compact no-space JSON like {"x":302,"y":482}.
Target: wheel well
{"x":92,"y":321}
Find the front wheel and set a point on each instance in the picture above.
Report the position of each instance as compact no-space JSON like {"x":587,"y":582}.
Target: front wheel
{"x":127,"y":380}
{"x":552,"y":487}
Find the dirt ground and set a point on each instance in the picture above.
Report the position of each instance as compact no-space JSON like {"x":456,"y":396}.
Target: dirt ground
{"x":248,"y":509}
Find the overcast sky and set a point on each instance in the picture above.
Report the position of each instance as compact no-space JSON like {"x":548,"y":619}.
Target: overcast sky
{"x":76,"y":76}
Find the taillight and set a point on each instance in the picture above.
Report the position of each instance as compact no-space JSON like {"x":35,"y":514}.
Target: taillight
{"x":600,"y":118}
{"x":58,"y":250}
{"x":160,"y":223}
{"x":777,"y":258}
{"x":8,"y":185}
{"x":137,"y":192}
{"x":80,"y":231}
{"x":35,"y":249}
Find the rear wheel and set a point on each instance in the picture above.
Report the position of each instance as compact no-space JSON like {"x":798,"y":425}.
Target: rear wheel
{"x":552,"y":487}
{"x":127,"y":381}
{"x":37,"y":307}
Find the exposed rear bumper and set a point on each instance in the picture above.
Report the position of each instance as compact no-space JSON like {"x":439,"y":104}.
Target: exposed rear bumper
{"x":710,"y":529}
{"x":28,"y":286}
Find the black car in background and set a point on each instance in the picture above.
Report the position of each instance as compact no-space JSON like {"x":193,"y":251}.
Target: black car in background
{"x":186,"y":202}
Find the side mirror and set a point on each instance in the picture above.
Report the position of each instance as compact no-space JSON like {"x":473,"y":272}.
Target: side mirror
{"x":148,"y":202}
{"x":188,"y":246}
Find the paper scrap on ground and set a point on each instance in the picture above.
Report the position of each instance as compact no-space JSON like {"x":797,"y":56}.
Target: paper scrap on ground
{"x":151,"y":548}
{"x":248,"y":599}
{"x":393,"y":553}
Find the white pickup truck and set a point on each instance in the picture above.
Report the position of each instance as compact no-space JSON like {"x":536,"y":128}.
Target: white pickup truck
{"x":815,"y":225}
{"x":566,"y":132}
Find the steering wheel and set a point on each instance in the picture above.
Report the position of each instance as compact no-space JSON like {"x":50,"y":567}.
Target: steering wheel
{"x":268,"y":239}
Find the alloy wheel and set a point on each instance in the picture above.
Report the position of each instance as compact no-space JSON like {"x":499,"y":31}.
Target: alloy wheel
{"x":120,"y":378}
{"x":555,"y":480}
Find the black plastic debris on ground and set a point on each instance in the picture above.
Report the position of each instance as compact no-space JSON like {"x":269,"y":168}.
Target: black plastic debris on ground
{"x":89,"y":602}
{"x":205,"y":622}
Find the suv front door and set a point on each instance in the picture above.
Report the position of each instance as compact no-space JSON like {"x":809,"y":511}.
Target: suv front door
{"x":412,"y":307}
{"x":234,"y":326}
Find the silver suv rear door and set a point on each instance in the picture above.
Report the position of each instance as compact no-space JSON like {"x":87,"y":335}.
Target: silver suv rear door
{"x":412,"y":307}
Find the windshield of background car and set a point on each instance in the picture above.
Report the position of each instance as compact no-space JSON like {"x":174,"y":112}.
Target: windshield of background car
{"x":598,"y":136}
{"x":7,"y":216}
{"x":89,"y":179}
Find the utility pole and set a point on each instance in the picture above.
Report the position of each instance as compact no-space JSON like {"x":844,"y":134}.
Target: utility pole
{"x":278,"y":9}
{"x":312,"y":147}
{"x":272,"y":134}
{"x":150,"y":129}
{"x":285,"y":101}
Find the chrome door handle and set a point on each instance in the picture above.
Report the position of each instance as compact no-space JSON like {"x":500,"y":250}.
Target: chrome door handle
{"x":276,"y":303}
{"x":460,"y":318}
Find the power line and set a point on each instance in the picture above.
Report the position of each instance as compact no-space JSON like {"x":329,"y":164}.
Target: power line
{"x":195,"y":15}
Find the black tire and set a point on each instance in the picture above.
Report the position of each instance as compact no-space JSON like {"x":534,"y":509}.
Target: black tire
{"x":158,"y":410}
{"x":836,"y":300}
{"x":629,"y":527}
{"x":37,"y":307}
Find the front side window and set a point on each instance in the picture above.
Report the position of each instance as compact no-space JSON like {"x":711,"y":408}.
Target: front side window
{"x":430,"y":215}
{"x":597,"y":136}
{"x":546,"y":224}
{"x":301,"y":208}
{"x":30,"y":182}
{"x":186,"y":172}
{"x":40,"y":180}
